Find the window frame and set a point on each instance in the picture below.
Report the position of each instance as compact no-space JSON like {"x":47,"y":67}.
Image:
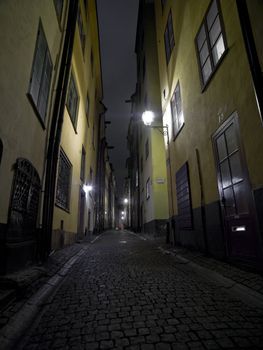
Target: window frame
{"x":169,"y":49}
{"x":147,"y":192}
{"x":176,"y":115}
{"x":58,"y":203}
{"x":147,"y":149}
{"x":36,"y":104}
{"x":214,"y":66}
{"x":74,"y":120}
{"x":83,"y":164}
{"x":59,"y":14}
{"x":81,"y":29}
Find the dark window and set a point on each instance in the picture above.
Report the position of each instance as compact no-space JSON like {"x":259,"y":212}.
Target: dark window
{"x":163,"y":3}
{"x":72,"y":101}
{"x":90,"y":175}
{"x":86,"y":4}
{"x":184,"y":198}
{"x":23,"y":209}
{"x":81,"y":30}
{"x":59,"y":7}
{"x":146,"y":101}
{"x":177,"y":111}
{"x":169,"y":37}
{"x":210,"y":41}
{"x":143,"y":67}
{"x":40,"y":75}
{"x":148,"y":188}
{"x":146,"y":149}
{"x":93,"y":136}
{"x":63,"y":181}
{"x":83,"y":164}
{"x":87,"y":108}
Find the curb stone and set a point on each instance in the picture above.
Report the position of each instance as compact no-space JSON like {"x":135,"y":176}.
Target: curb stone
{"x":16,"y":327}
{"x":246,"y":294}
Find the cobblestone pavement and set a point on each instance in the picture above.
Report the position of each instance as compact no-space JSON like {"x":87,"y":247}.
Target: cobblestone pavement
{"x":126,"y":294}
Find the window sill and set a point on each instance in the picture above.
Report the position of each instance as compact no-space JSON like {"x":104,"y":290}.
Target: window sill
{"x":62,"y":208}
{"x":36,"y":111}
{"x":178,"y":132}
{"x":204,"y":86}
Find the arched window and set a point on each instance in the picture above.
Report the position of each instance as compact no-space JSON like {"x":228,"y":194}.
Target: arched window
{"x":23,"y":209}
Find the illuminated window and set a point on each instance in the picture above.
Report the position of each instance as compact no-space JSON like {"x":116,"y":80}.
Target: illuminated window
{"x":210,"y":42}
{"x":40,"y":75}
{"x":177,"y":111}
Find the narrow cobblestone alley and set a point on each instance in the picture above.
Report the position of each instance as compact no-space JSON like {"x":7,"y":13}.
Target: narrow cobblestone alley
{"x":125,"y":294}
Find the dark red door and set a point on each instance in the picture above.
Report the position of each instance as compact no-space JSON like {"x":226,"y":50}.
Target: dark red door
{"x":235,"y":191}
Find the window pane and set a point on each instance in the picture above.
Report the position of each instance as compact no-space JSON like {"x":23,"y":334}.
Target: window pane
{"x":229,"y":201}
{"x":241,"y":198}
{"x":215,"y":31}
{"x":218,"y":49}
{"x":211,"y":15}
{"x":236,"y":169}
{"x":204,"y":54}
{"x":225,"y":174}
{"x":201,"y":37}
{"x":206,"y":70}
{"x":231,"y":139}
{"x":221,"y":147}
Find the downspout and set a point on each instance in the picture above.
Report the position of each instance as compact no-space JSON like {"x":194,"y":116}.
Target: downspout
{"x":56,"y":129}
{"x":252,"y":55}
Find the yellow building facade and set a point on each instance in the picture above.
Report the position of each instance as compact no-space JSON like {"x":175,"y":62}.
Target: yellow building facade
{"x":215,"y":129}
{"x":25,"y":110}
{"x":147,"y":173}
{"x":49,"y":115}
{"x":75,"y":218}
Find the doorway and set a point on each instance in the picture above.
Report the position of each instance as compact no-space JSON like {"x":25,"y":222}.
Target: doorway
{"x":235,"y":192}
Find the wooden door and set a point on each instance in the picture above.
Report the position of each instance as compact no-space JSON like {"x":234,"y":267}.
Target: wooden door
{"x":235,"y":191}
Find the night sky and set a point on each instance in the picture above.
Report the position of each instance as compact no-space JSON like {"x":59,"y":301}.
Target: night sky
{"x":117,"y":25}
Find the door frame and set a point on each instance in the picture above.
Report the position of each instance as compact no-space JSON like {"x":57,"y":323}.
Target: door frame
{"x":234,"y":118}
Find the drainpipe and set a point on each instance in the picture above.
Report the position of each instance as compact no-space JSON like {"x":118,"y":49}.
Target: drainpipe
{"x":56,"y":129}
{"x":252,"y":55}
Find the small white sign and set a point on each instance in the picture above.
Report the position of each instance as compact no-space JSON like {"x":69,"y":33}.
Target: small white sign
{"x":160,"y":180}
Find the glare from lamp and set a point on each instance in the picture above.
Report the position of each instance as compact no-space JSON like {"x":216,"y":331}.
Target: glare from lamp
{"x":147,"y":117}
{"x":87,"y":188}
{"x":125,"y":200}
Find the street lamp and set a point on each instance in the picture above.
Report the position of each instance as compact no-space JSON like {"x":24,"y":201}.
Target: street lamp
{"x":148,"y":118}
{"x":125,"y":201}
{"x":87,"y":188}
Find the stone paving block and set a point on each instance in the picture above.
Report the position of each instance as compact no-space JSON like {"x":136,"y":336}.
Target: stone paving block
{"x":115,"y":300}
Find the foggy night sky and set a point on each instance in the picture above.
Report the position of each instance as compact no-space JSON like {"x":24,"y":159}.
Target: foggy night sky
{"x":117,"y":26}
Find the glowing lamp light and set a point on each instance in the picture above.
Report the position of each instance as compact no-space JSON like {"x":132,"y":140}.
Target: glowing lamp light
{"x":147,"y":117}
{"x":125,"y":200}
{"x":87,"y":188}
{"x":122,"y":212}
